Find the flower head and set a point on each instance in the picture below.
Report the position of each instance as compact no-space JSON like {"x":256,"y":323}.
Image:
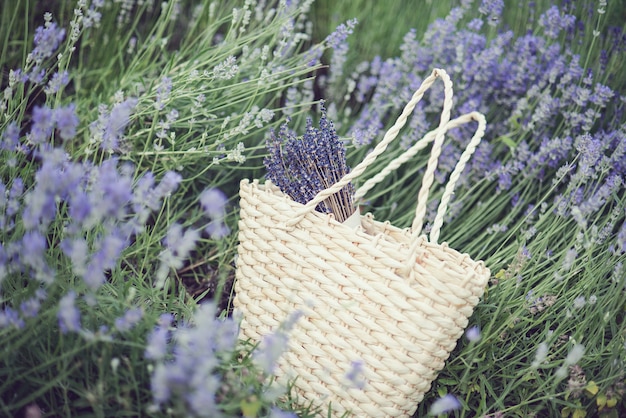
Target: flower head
{"x":9,"y":140}
{"x":66,"y":121}
{"x":274,"y":344}
{"x":178,"y":245}
{"x":68,"y":314}
{"x":57,"y":82}
{"x":213,"y":202}
{"x":110,"y":126}
{"x":447,"y":403}
{"x":341,"y":33}
{"x":129,"y":319}
{"x":473,"y":334}
{"x":492,"y":8}
{"x":47,"y":40}
{"x":356,"y":374}
{"x":277,"y":413}
{"x":157,"y":346}
{"x":43,"y":124}
{"x":553,"y":22}
{"x":270,"y":350}
{"x":303,"y":167}
{"x":10,"y":317}
{"x":190,"y":374}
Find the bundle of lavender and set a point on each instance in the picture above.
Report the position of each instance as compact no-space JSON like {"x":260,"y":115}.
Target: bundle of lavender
{"x":302,"y":167}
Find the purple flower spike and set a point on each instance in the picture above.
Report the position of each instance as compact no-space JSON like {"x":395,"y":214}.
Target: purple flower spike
{"x":66,"y":121}
{"x":445,"y":404}
{"x":129,"y":320}
{"x":303,"y":167}
{"x":68,"y":315}
{"x":47,"y":40}
{"x":213,"y":202}
{"x":473,"y":334}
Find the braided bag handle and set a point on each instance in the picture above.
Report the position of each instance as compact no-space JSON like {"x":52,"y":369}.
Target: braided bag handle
{"x":454,"y":177}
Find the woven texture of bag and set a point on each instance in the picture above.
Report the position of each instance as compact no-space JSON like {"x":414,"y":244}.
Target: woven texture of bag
{"x":393,"y":299}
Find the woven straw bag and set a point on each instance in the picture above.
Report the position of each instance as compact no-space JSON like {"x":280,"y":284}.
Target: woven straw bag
{"x":392,"y":298}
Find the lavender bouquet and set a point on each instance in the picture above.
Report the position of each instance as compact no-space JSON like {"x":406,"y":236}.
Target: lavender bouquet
{"x":302,"y":167}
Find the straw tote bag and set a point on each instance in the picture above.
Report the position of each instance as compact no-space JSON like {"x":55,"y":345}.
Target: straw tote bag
{"x":391,"y":298}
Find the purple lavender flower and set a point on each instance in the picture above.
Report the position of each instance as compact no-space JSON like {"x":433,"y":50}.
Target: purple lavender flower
{"x":68,"y":314}
{"x":169,"y":183}
{"x":582,"y":209}
{"x":58,"y":175}
{"x":129,"y":319}
{"x":601,"y":95}
{"x":36,"y":75}
{"x":160,"y":384}
{"x":217,"y":229}
{"x":143,"y":191}
{"x":10,"y":138}
{"x":92,"y":15}
{"x":33,"y":248}
{"x":538,"y":85}
{"x":473,"y":334}
{"x":180,"y":242}
{"x":341,"y":33}
{"x":590,"y":150}
{"x":270,"y":350}
{"x":57,"y":82}
{"x":213,"y":202}
{"x":30,"y":307}
{"x":178,"y":245}
{"x":355,"y":374}
{"x":475,"y":24}
{"x":621,"y":239}
{"x":43,"y":124}
{"x":66,"y":121}
{"x":157,"y":346}
{"x":492,"y":8}
{"x":303,"y":167}
{"x":92,"y":267}
{"x":202,"y":399}
{"x":80,"y":206}
{"x":15,"y":194}
{"x":163,"y":92}
{"x":277,"y":413}
{"x":77,"y":250}
{"x":338,"y":42}
{"x":553,"y":22}
{"x":191,"y":374}
{"x":47,"y":40}
{"x":146,"y":195}
{"x":447,"y":403}
{"x":10,"y":317}
{"x":274,"y":344}
{"x":57,"y":178}
{"x":107,"y":250}
{"x":110,"y":126}
{"x":112,"y":192}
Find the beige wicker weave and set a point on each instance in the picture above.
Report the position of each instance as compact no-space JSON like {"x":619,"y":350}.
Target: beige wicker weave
{"x":391,"y":298}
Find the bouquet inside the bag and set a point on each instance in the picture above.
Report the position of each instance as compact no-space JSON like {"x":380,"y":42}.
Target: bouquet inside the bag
{"x":303,"y":167}
{"x":393,"y":300}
